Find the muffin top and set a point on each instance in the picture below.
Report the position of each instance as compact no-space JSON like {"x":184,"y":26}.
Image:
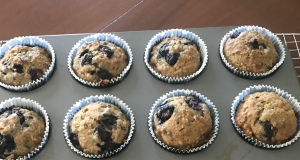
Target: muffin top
{"x":182,"y":122}
{"x":21,"y":65}
{"x":175,"y":57}
{"x":99,"y":127}
{"x":250,"y":51}
{"x":99,"y":61}
{"x":267,"y":117}
{"x":21,"y":131}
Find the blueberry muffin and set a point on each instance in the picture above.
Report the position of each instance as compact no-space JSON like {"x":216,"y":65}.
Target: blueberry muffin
{"x":175,"y":57}
{"x":99,"y":61}
{"x":21,"y":65}
{"x":98,"y":128}
{"x":182,"y":122}
{"x":266,"y":117}
{"x":250,"y":51}
{"x":21,"y":131}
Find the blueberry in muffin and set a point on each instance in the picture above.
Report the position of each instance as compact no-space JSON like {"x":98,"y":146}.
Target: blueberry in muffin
{"x":175,"y":57}
{"x":99,"y":61}
{"x":99,"y":128}
{"x":21,"y":65}
{"x":182,"y":122}
{"x":250,"y":51}
{"x":266,"y":117}
{"x":21,"y":131}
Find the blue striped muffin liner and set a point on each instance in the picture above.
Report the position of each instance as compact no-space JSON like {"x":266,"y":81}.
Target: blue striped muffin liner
{"x":32,"y":106}
{"x":182,"y":34}
{"x":103,"y":98}
{"x":101,"y":37}
{"x":32,"y":41}
{"x":213,"y":112}
{"x":265,"y":88}
{"x":250,"y":75}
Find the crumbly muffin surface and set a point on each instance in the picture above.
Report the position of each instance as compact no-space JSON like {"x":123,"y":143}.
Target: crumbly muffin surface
{"x":21,"y":65}
{"x":175,"y":57}
{"x":99,"y":61}
{"x":250,"y":51}
{"x":182,"y":122}
{"x":21,"y":131}
{"x":267,"y":117}
{"x":98,"y":128}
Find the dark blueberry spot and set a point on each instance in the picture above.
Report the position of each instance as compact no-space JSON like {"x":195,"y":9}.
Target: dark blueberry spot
{"x":172,"y":58}
{"x":84,"y":52}
{"x":109,"y":121}
{"x":18,"y":113}
{"x":190,"y":43}
{"x":254,"y":44}
{"x":263,"y":45}
{"x":164,"y":112}
{"x":159,"y":56}
{"x":235,"y":34}
{"x":28,"y":117}
{"x":18,"y":68}
{"x":6,"y":64}
{"x":106,"y":124}
{"x":106,"y":50}
{"x":104,"y":74}
{"x":104,"y":135}
{"x":7,"y":143}
{"x":195,"y":104}
{"x":74,"y":139}
{"x":36,"y":74}
{"x":87,"y":58}
{"x":92,"y":72}
{"x":269,"y":130}
{"x":164,"y":50}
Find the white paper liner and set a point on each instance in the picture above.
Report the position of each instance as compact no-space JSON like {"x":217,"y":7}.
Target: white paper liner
{"x":33,"y":41}
{"x":103,"y":98}
{"x":250,"y":75}
{"x":265,"y":88}
{"x":182,"y":34}
{"x":101,"y":37}
{"x":213,"y":111}
{"x":33,"y":106}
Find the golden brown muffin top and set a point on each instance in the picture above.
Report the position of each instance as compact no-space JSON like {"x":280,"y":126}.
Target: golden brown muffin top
{"x":99,"y":127}
{"x":22,"y":130}
{"x":182,"y":122}
{"x":175,"y":57}
{"x":251,"y":51}
{"x":267,"y":117}
{"x":23,"y":64}
{"x":99,"y":61}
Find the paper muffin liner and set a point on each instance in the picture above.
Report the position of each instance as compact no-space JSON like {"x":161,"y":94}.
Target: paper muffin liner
{"x":103,"y":98}
{"x":32,"y":106}
{"x":182,"y":34}
{"x":265,"y":88}
{"x":250,"y":75}
{"x":213,"y":112}
{"x":32,"y":41}
{"x":101,"y":37}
